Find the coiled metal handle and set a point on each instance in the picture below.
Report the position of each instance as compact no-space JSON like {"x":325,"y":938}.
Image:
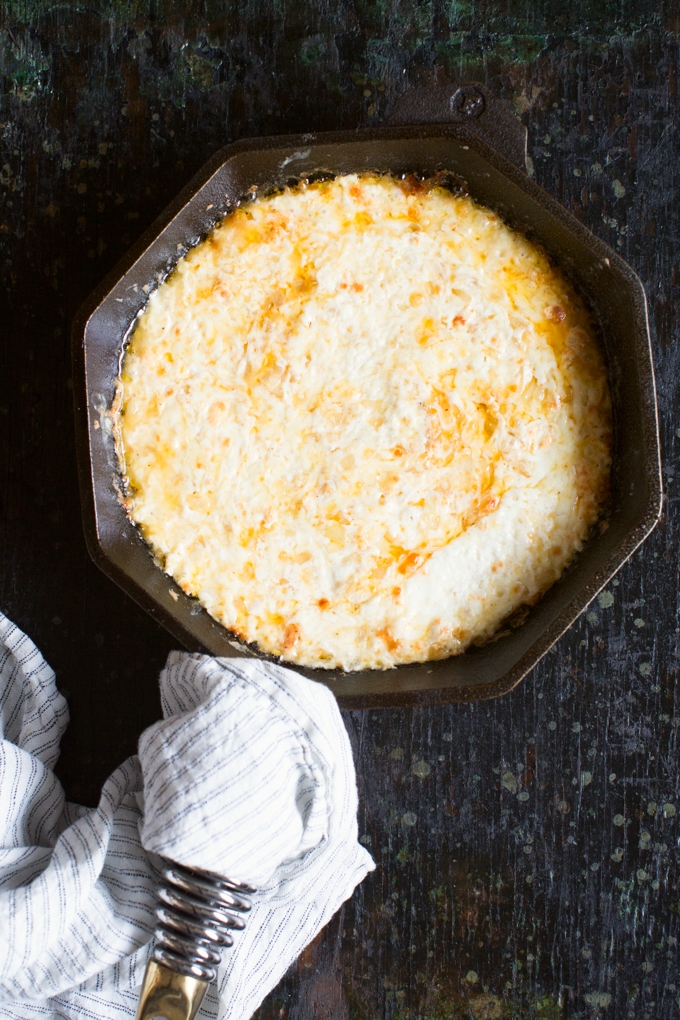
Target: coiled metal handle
{"x":196,"y":915}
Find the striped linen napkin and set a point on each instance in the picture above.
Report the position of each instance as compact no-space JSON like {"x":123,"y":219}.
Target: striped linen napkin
{"x":249,"y":774}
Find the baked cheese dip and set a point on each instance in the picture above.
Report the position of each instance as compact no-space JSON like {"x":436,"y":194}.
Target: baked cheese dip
{"x":364,"y":422}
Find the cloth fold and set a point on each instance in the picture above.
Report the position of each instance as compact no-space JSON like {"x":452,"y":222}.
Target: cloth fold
{"x":249,"y":774}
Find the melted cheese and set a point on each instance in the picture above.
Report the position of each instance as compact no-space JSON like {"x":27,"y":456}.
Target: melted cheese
{"x":364,"y":422}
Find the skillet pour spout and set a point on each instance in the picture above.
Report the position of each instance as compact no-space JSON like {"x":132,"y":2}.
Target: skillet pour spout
{"x":465,"y":130}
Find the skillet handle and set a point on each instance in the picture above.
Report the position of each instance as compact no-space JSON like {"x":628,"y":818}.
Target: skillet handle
{"x":471,"y":104}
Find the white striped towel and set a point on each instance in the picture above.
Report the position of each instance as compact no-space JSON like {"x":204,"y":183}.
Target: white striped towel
{"x":249,"y":774}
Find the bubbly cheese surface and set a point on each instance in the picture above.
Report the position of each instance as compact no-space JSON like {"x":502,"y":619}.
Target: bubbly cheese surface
{"x":364,"y":422}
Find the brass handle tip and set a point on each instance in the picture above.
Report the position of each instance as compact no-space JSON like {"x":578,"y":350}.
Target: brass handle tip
{"x":165,"y":993}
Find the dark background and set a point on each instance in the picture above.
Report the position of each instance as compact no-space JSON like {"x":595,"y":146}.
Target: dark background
{"x":527,"y":848}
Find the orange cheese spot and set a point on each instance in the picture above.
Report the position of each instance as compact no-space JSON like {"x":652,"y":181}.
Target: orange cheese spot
{"x":392,"y":644}
{"x":290,"y":636}
{"x":412,"y":562}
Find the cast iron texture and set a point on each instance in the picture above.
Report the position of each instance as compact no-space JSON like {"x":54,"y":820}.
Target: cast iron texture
{"x":457,"y":125}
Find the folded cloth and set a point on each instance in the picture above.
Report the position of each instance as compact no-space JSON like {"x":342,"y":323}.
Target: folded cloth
{"x":249,"y":774}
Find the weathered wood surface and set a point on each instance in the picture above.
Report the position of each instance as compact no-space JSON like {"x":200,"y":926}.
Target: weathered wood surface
{"x":526,"y":848}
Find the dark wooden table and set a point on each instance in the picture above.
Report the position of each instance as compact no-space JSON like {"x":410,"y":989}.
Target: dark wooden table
{"x":527,"y":848}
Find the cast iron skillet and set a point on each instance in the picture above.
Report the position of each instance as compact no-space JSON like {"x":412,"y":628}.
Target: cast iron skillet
{"x":469,"y":132}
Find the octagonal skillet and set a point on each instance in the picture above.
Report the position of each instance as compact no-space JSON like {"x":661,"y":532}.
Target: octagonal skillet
{"x":469,"y":132}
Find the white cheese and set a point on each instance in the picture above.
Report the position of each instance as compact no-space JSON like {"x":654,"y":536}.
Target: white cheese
{"x":364,"y":422}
